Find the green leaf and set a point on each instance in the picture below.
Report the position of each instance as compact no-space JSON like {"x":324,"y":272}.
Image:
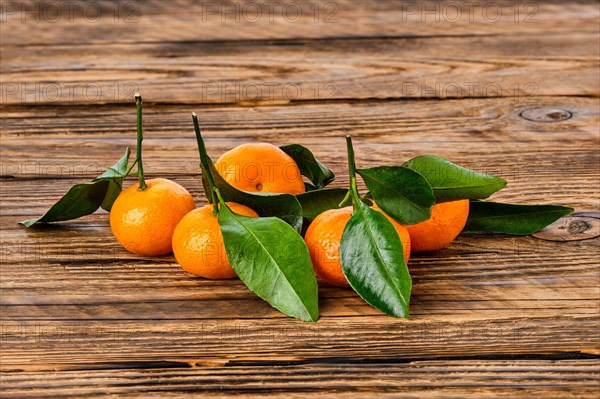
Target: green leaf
{"x":118,"y":170}
{"x":80,"y":200}
{"x":496,"y":217}
{"x":309,"y":187}
{"x":115,"y":176}
{"x":373,"y":261}
{"x":115,"y":186}
{"x":85,"y":198}
{"x":273,"y":261}
{"x":309,"y":165}
{"x":283,"y":206}
{"x":316,"y":202}
{"x":451,"y":182}
{"x":402,"y":193}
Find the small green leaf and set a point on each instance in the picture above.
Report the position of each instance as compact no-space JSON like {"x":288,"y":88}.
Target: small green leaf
{"x":283,"y":206}
{"x":115,"y":176}
{"x":115,"y":186}
{"x":402,"y":193}
{"x":85,"y":198}
{"x":118,"y":170}
{"x":373,"y":261}
{"x":273,"y":261}
{"x":316,"y":202}
{"x":496,"y":217}
{"x":309,"y":165}
{"x":451,"y":182}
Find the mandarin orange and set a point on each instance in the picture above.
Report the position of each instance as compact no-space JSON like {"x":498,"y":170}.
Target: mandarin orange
{"x":198,"y":243}
{"x":143,"y":221}
{"x":445,"y":224}
{"x":323,"y":238}
{"x":261,"y":167}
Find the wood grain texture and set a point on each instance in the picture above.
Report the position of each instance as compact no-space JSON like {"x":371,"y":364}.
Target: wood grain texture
{"x":491,"y":315}
{"x":305,"y":70}
{"x":155,"y":21}
{"x":428,"y":379}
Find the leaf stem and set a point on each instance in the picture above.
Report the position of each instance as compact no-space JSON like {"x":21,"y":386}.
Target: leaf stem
{"x":205,"y":166}
{"x":140,"y":138}
{"x":347,"y":198}
{"x":127,"y":173}
{"x":352,"y":171}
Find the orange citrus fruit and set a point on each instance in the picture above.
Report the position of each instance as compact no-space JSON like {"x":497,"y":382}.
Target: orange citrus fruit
{"x":144,"y":221}
{"x":198,"y":243}
{"x":323,"y":238}
{"x":402,"y":232}
{"x":446,"y":222}
{"x":261,"y":167}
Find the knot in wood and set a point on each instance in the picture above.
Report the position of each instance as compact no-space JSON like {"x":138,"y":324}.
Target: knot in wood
{"x":578,"y":226}
{"x":544,"y":114}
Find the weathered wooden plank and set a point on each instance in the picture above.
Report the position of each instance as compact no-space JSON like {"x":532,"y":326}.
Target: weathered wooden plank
{"x":308,"y":70}
{"x":88,"y":344}
{"x":34,"y":22}
{"x":428,"y":379}
{"x":477,"y":127}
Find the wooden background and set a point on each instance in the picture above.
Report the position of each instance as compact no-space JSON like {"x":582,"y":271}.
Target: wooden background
{"x":492,"y":316}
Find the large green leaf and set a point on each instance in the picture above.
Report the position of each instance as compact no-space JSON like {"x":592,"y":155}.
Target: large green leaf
{"x":85,"y":198}
{"x":272,"y":259}
{"x":309,"y":165}
{"x":373,"y":261}
{"x":402,"y":193}
{"x":496,"y":217}
{"x":318,"y":201}
{"x":283,"y":206}
{"x":81,"y":199}
{"x":451,"y":182}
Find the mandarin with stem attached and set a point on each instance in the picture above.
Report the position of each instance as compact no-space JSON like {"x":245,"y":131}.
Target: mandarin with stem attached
{"x":143,"y":221}
{"x":198,"y":243}
{"x":323,"y":238}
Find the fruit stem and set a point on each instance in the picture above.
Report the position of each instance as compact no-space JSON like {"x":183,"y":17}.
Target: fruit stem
{"x":205,"y":166}
{"x":352,"y":170}
{"x":140,"y":138}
